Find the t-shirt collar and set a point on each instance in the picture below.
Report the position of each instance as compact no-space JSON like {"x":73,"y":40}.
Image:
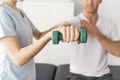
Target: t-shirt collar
{"x":81,"y":16}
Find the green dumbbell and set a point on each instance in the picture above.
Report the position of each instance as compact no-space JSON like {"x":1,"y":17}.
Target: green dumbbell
{"x":57,"y":36}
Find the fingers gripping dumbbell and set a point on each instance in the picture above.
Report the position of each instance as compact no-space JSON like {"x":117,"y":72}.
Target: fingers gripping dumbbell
{"x":57,"y":36}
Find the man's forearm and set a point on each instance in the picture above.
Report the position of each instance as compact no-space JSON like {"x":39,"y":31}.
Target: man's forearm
{"x":111,"y":46}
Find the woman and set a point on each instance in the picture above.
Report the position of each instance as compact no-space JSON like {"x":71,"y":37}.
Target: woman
{"x":16,"y":46}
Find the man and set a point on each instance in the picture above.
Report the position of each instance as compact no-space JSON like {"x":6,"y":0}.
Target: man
{"x":89,"y":60}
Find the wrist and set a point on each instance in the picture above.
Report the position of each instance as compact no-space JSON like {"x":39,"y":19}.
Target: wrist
{"x":49,"y":35}
{"x":99,"y":36}
{"x":102,"y":38}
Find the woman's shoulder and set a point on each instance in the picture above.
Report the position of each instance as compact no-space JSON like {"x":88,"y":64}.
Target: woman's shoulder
{"x":1,"y":8}
{"x":3,"y":11}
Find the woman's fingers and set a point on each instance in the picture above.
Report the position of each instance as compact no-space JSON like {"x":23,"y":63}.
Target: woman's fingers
{"x":72,"y":34}
{"x":63,"y":31}
{"x":77,"y":42}
{"x":76,"y":34}
{"x":69,"y":33}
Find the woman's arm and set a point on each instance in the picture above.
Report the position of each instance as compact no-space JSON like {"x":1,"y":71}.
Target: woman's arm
{"x":19,"y":55}
{"x":37,"y":34}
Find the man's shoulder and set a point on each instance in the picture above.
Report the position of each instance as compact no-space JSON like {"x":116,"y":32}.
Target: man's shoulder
{"x":107,"y":22}
{"x":74,"y":21}
{"x":105,"y":19}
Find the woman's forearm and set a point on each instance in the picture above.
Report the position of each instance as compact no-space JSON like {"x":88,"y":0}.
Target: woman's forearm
{"x":27,"y":53}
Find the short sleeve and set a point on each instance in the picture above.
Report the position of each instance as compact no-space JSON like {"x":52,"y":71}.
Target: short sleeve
{"x":6,"y":25}
{"x":114,"y":32}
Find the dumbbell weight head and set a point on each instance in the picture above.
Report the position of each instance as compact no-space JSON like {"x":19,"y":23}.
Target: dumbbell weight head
{"x":56,"y":37}
{"x":83,"y":35}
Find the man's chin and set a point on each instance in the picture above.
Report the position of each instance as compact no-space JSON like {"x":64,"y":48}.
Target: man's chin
{"x":91,"y":11}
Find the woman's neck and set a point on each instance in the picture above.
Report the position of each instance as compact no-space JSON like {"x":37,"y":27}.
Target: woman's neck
{"x":10,"y":3}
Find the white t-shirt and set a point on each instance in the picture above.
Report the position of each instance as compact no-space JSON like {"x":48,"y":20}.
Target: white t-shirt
{"x":90,"y":59}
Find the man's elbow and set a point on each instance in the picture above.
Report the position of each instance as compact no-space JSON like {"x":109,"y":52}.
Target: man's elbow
{"x":118,"y":55}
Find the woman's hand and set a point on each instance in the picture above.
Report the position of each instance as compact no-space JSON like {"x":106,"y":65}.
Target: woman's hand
{"x":69,"y":32}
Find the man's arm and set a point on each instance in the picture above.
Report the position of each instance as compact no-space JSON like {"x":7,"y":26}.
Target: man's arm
{"x":111,"y":46}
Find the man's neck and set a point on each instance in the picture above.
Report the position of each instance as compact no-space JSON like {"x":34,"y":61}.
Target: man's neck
{"x":92,"y":17}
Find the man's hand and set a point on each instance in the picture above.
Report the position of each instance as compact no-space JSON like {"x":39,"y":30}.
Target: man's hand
{"x":91,"y":28}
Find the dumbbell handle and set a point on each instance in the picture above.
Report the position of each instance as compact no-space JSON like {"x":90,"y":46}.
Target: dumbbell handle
{"x":57,"y":36}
